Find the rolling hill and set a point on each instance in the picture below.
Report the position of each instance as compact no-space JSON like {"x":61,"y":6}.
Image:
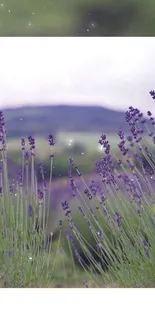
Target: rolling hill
{"x":41,"y":120}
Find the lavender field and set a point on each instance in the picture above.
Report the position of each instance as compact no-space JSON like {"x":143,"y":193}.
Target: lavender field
{"x":91,"y":229}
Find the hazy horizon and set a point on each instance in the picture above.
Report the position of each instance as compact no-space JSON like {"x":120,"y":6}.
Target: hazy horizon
{"x":110,"y":72}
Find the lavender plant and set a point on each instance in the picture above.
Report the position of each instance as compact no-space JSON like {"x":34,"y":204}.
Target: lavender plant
{"x":111,"y":225}
{"x":107,"y":228}
{"x":26,"y":256}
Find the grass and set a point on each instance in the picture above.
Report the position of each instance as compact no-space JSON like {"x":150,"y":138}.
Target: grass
{"x":105,"y":233}
{"x":65,"y":140}
{"x":83,"y":147}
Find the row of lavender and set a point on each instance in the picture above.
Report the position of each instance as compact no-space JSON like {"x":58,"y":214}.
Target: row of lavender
{"x":119,"y":215}
{"x":107,"y":224}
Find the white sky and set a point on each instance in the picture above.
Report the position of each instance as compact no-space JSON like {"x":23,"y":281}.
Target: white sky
{"x":115,"y":72}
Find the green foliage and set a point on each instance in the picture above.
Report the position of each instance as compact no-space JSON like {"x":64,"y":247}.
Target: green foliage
{"x":122,"y":250}
{"x":76,"y":18}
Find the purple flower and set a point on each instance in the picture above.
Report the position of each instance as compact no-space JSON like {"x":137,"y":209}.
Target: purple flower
{"x":85,"y":283}
{"x":40,"y":194}
{"x":82,"y":211}
{"x":132,"y":166}
{"x":89,"y":224}
{"x":118,"y":219}
{"x":70,"y":239}
{"x":103,"y":199}
{"x":60,"y":224}
{"x":100,"y":234}
{"x":51,"y":139}
{"x":23,"y":143}
{"x":103,"y":136}
{"x":11,"y":189}
{"x":32,"y":144}
{"x":86,"y":191}
{"x":122,"y":148}
{"x":152,"y":93}
{"x":65,"y":207}
{"x":104,"y":168}
{"x":20,"y":178}
{"x":145,"y":242}
{"x":26,"y":156}
{"x":70,"y":173}
{"x":10,"y":252}
{"x":93,"y":188}
{"x":105,"y":144}
{"x":147,"y":250}
{"x":72,"y":162}
{"x":73,"y":187}
{"x":128,"y":116}
{"x":98,"y":247}
{"x":30,"y":210}
{"x":2,"y":123}
{"x":41,"y":167}
{"x":119,"y":162}
{"x":149,"y":113}
{"x":121,"y":134}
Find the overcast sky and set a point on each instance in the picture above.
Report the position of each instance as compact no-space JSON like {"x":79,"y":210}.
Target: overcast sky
{"x":115,"y":72}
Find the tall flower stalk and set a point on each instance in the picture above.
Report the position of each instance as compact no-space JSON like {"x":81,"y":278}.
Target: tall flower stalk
{"x":115,"y":224}
{"x":25,"y":257}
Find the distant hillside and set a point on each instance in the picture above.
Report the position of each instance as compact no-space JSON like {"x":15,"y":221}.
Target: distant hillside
{"x":40,"y":121}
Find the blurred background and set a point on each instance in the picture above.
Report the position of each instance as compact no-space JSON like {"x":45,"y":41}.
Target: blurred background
{"x":75,"y":88}
{"x":77,"y":18}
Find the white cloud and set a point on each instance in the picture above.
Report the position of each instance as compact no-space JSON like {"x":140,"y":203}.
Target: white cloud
{"x":109,"y":71}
